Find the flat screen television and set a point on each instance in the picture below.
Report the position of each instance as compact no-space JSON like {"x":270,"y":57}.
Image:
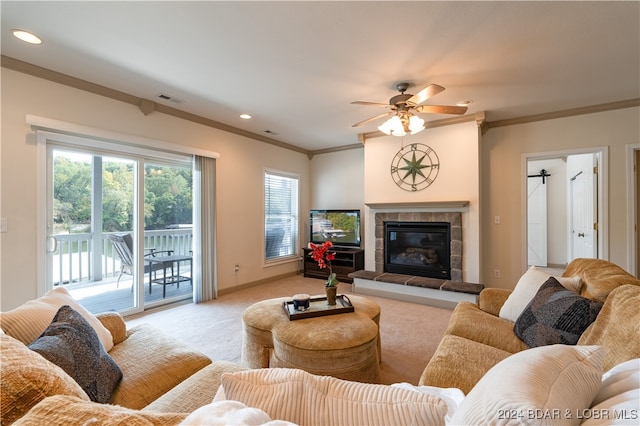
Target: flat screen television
{"x":341,"y":227}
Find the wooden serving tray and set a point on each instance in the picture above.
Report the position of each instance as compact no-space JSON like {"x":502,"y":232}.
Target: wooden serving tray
{"x":318,"y":308}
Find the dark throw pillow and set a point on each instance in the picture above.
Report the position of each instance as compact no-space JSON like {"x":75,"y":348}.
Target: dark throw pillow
{"x":72,"y":344}
{"x":555,"y":315}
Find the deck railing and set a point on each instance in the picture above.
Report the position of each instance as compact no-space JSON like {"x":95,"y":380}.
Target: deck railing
{"x":77,"y":259}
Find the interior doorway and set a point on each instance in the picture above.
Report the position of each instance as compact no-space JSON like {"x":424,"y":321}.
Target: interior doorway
{"x":637,"y":215}
{"x":564,"y":206}
{"x":583,"y":212}
{"x":633,"y":209}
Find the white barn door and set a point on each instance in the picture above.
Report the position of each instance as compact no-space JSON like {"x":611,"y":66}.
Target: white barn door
{"x":537,"y":222}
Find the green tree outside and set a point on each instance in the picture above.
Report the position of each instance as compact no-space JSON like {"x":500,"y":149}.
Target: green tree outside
{"x":168,"y":195}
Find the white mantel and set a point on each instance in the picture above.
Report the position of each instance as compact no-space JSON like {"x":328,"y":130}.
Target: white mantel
{"x":419,"y":204}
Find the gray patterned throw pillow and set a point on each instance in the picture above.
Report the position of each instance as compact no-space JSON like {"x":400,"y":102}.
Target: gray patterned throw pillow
{"x":555,"y":315}
{"x":71,"y":343}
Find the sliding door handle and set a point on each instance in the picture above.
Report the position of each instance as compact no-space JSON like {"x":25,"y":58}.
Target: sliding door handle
{"x":52,"y":244}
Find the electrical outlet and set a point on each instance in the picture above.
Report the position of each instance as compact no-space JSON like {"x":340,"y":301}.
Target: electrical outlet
{"x":497,"y":220}
{"x":236,"y":269}
{"x":4,"y":227}
{"x":496,"y":273}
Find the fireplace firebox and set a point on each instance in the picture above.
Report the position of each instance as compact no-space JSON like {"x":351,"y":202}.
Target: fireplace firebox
{"x":418,"y":248}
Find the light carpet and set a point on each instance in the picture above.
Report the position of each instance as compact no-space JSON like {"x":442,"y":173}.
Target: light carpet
{"x":409,"y":332}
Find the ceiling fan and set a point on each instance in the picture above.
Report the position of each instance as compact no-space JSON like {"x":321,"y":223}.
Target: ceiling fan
{"x":403,"y":108}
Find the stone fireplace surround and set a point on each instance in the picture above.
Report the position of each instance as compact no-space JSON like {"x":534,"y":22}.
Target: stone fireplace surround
{"x":430,"y":291}
{"x":454,"y":218}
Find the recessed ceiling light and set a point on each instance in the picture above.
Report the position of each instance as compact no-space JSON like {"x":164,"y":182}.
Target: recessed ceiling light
{"x":26,"y":36}
{"x":245,"y":116}
{"x":464,"y":103}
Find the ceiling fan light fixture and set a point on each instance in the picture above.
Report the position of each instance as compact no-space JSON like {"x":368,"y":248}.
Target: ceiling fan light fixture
{"x":395,"y":127}
{"x":392,"y":127}
{"x":416,"y":124}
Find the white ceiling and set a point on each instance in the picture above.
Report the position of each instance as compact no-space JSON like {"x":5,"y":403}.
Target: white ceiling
{"x":296,"y":66}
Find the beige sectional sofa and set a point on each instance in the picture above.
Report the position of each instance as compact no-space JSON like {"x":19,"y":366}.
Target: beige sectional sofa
{"x":477,"y":337}
{"x":159,"y":373}
{"x":165,"y":382}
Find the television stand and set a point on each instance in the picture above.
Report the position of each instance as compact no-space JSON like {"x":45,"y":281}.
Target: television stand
{"x":347,"y":260}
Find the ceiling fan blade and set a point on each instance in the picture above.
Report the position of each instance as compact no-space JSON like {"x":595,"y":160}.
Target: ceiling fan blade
{"x":424,"y":94}
{"x":378,"y":104}
{"x":441,"y":109}
{"x":384,"y":114}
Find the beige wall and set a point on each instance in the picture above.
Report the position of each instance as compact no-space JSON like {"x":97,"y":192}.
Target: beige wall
{"x":502,"y":181}
{"x":239,"y":178}
{"x":337,"y":182}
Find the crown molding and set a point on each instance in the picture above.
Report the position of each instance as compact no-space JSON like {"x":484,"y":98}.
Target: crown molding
{"x":485,"y":125}
{"x":334,"y":149}
{"x":145,"y":105}
{"x":629,"y":103}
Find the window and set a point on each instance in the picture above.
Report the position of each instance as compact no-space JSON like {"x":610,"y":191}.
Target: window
{"x":280,"y":215}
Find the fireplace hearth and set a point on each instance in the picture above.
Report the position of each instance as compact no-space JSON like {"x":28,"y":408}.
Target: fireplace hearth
{"x":427,"y":244}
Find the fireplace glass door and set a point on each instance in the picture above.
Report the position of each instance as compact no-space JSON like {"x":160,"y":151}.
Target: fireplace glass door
{"x":418,"y":248}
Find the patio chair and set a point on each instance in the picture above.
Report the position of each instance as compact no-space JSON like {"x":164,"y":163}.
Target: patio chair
{"x":123,"y":245}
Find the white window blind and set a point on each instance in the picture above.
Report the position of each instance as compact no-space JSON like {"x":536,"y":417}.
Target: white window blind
{"x":281,"y":215}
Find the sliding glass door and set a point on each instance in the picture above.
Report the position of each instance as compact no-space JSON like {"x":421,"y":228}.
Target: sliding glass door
{"x":168,"y":231}
{"x":119,"y":228}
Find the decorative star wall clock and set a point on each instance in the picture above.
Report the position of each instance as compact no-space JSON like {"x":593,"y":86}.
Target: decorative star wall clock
{"x":415,"y":167}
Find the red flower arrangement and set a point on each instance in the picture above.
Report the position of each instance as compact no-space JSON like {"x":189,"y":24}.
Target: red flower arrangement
{"x":321,"y":254}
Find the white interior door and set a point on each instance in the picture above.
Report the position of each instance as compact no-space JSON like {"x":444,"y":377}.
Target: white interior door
{"x":537,"y":222}
{"x":582,"y":205}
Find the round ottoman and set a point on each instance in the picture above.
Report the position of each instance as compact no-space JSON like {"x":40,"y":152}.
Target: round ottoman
{"x":346,"y":346}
